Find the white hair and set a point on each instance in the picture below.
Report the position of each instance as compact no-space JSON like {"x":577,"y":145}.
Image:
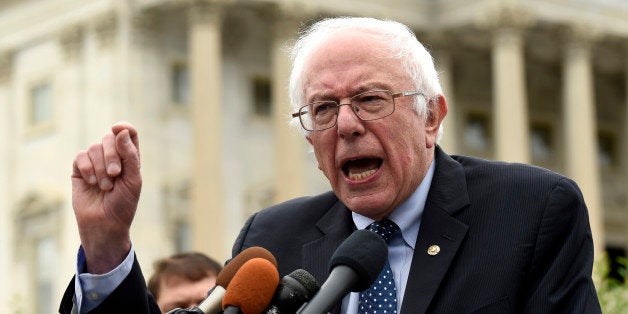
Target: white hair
{"x":402,"y":43}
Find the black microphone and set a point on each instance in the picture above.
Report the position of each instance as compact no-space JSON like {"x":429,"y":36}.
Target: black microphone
{"x":294,"y":289}
{"x":232,"y":310}
{"x":355,"y":265}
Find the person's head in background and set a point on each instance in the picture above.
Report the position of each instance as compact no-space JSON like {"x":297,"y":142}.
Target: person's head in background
{"x":183,"y":280}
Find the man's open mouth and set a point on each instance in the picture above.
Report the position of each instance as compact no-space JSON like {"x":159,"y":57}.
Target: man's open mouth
{"x":361,"y":168}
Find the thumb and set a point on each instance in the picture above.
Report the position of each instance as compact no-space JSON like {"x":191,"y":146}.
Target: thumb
{"x":129,"y":153}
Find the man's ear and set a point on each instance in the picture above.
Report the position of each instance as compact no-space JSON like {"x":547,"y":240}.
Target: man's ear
{"x":309,"y":139}
{"x":437,"y":110}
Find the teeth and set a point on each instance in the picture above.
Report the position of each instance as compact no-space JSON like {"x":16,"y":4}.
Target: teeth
{"x":361,"y":175}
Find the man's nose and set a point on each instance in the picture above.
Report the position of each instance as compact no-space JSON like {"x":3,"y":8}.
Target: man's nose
{"x":348,"y":122}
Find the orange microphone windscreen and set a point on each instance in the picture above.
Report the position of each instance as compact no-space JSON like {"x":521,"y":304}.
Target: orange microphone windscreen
{"x":227,"y":273}
{"x":252,"y":287}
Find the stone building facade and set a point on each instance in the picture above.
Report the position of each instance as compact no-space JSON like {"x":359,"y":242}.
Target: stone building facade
{"x":205,"y":81}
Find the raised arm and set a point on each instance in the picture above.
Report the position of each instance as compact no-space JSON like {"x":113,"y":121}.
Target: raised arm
{"x":106,"y":185}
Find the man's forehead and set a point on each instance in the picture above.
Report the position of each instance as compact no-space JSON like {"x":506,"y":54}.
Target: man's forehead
{"x":347,"y":43}
{"x":360,"y":87}
{"x":352,"y":78}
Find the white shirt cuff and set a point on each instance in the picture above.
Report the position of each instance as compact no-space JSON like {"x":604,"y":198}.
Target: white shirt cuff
{"x":90,"y":290}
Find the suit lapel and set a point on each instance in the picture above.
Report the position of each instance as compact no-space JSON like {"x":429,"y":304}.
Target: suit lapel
{"x":448,"y":195}
{"x":335,"y":226}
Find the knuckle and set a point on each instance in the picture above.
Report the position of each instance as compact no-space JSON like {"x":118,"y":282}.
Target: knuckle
{"x":82,"y":162}
{"x":94,"y":149}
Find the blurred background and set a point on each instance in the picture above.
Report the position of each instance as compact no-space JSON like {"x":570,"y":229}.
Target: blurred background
{"x":205,"y":82}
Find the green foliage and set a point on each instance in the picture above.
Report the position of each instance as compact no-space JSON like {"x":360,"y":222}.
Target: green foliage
{"x":612,"y":293}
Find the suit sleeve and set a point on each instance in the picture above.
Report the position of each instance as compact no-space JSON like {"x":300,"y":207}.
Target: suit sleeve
{"x":131,"y":296}
{"x":239,"y":242}
{"x":562,"y":264}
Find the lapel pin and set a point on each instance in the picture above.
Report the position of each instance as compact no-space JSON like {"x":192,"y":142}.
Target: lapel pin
{"x":433,"y":250}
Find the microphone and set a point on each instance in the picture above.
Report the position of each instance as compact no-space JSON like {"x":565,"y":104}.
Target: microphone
{"x":294,"y":289}
{"x":252,"y":288}
{"x":213,"y":303}
{"x":355,"y":265}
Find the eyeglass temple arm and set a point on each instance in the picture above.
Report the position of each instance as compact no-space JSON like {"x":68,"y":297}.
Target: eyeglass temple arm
{"x":409,"y":93}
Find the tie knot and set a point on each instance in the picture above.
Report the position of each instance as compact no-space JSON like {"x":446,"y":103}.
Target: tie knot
{"x":385,"y":228}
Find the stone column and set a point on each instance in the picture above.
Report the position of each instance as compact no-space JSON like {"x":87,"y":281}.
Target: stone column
{"x":290,"y":146}
{"x":105,"y":29}
{"x":7,"y":129}
{"x":7,"y":183}
{"x":147,"y":80}
{"x":109,"y":44}
{"x":580,"y":130}
{"x":441,"y":51}
{"x":70,"y":87}
{"x":136,"y":51}
{"x":509,"y":84}
{"x":207,"y":196}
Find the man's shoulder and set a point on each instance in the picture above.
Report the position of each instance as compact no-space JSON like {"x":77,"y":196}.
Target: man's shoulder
{"x":482,"y":174}
{"x":327,"y":198}
{"x":290,"y":224}
{"x":478,"y":166}
{"x":305,"y":207}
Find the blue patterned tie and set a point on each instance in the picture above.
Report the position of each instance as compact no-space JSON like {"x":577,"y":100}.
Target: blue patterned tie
{"x":381,"y":297}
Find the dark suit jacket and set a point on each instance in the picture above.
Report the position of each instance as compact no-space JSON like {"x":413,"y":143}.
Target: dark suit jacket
{"x":131,"y":296}
{"x":514,"y":239}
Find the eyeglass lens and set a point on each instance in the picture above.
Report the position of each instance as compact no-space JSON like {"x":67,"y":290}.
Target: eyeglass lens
{"x":367,"y":106}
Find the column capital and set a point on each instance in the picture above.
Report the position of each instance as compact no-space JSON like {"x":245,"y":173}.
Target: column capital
{"x":286,"y":26}
{"x":438,"y":40}
{"x":578,"y":38}
{"x":71,"y":40}
{"x":506,"y":16}
{"x":105,"y":27}
{"x":206,"y":11}
{"x":580,"y":34}
{"x":6,"y":65}
{"x":145,"y":27}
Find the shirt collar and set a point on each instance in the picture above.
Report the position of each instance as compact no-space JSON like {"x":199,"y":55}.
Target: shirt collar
{"x":408,"y":215}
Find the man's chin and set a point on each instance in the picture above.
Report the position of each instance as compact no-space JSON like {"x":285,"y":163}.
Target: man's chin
{"x":368,"y":206}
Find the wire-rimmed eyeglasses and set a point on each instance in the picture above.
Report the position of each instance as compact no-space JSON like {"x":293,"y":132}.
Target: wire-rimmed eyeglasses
{"x":368,"y":106}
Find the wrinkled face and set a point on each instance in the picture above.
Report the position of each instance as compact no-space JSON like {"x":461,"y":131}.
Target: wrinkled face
{"x":179,"y":292}
{"x":372,"y":166}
